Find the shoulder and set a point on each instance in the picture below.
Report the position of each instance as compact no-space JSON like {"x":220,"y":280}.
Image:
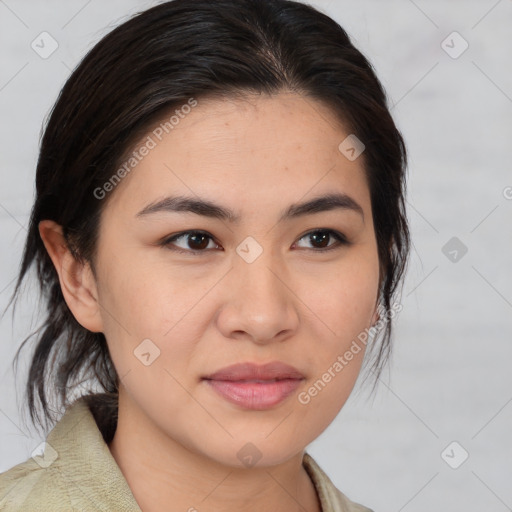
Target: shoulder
{"x":42,"y":482}
{"x":75,"y":472}
{"x":30,"y":486}
{"x":331,"y":498}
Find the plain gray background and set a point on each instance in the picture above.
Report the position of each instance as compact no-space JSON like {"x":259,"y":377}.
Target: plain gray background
{"x":450,"y":377}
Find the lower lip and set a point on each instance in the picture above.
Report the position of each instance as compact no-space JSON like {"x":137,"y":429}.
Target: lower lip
{"x":255,"y":395}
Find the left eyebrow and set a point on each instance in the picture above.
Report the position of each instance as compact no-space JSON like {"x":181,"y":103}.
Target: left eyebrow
{"x":209,"y":209}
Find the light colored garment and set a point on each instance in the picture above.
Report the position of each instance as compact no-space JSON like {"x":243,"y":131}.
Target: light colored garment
{"x":77,"y":472}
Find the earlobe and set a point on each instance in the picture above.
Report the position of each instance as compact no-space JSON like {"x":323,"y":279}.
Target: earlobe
{"x":76,"y":279}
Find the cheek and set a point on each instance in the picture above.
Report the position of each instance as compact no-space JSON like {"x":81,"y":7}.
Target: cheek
{"x":343,"y":308}
{"x":142,"y":302}
{"x":149,"y":335}
{"x":142,"y":299}
{"x":346,"y":300}
{"x":345,"y":314}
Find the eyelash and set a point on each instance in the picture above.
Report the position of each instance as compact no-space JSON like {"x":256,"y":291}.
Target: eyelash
{"x":339,"y":237}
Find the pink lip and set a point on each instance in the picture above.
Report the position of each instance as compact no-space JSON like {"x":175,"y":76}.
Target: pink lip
{"x":251,"y":371}
{"x":256,"y":387}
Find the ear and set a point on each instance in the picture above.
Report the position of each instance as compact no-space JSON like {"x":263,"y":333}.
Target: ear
{"x":76,"y":279}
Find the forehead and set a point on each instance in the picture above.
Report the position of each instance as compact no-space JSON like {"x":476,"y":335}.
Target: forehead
{"x":244,"y":149}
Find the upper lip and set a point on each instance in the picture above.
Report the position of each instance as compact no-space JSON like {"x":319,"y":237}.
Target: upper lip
{"x":252,"y":371}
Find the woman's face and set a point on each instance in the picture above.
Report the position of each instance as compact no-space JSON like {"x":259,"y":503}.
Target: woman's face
{"x":274,"y":285}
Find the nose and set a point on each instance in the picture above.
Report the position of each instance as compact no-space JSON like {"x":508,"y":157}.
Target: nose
{"x":259,"y":304}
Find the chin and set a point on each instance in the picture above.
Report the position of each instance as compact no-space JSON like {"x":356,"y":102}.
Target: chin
{"x":244,"y":453}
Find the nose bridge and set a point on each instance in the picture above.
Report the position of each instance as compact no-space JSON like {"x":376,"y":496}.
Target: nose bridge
{"x":260,"y":304}
{"x":259,"y":278}
{"x":259,"y":275}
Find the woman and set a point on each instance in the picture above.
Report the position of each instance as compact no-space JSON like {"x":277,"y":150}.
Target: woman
{"x":219,"y":231}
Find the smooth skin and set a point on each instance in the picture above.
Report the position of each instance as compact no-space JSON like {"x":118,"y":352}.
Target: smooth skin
{"x":206,"y":308}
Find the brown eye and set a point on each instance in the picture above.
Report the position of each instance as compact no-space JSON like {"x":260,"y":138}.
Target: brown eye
{"x":196,"y":242}
{"x":192,"y":241}
{"x":320,"y":239}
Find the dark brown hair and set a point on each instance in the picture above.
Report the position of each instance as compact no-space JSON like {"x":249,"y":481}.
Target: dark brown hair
{"x":136,"y":74}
